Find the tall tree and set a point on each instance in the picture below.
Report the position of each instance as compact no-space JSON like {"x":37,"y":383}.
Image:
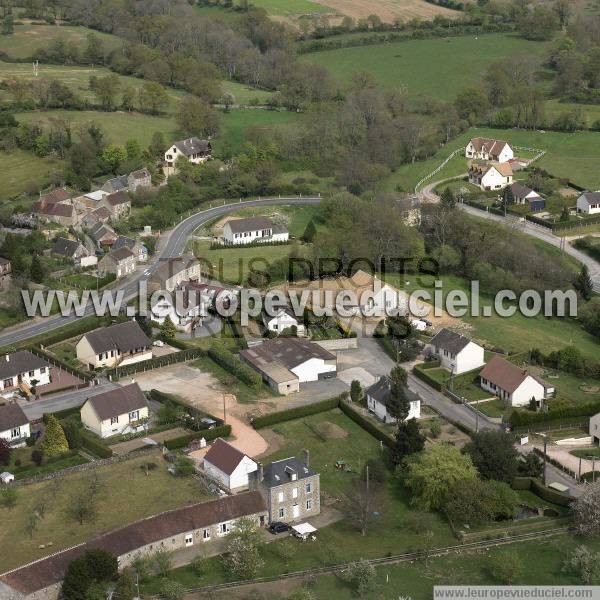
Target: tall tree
{"x":408,"y":440}
{"x":583,"y":283}
{"x":55,"y":441}
{"x":397,"y":403}
{"x":586,"y":510}
{"x":494,"y":455}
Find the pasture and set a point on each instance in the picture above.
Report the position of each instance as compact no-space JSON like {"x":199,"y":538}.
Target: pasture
{"x":27,"y":38}
{"x":20,"y":169}
{"x":437,"y":67}
{"x":286,"y":8}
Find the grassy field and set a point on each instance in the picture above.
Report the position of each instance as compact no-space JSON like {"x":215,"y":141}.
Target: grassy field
{"x":290,"y":7}
{"x":27,"y":38}
{"x":236,"y":121}
{"x":436,"y":67}
{"x":77,"y":79}
{"x":19,"y":168}
{"x":464,"y":385}
{"x":126,"y":495}
{"x":517,"y":333}
{"x":493,"y":408}
{"x":244,"y":94}
{"x":574,"y":156}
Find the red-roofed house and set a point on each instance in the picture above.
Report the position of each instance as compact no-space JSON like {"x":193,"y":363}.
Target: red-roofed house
{"x":228,"y":465}
{"x":488,"y":149}
{"x":511,"y":383}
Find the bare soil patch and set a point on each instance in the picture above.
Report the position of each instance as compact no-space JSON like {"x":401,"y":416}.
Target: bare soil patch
{"x":389,"y":10}
{"x":331,"y":430}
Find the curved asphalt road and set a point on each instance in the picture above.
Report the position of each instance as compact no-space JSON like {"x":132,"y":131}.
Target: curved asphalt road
{"x":527,"y":227}
{"x":174,"y":246}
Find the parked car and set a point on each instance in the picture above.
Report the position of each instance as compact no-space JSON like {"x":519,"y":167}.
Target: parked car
{"x":278,"y":527}
{"x":158,"y":343}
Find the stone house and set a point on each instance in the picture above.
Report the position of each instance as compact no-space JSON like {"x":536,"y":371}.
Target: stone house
{"x":120,"y":262}
{"x":193,"y":149}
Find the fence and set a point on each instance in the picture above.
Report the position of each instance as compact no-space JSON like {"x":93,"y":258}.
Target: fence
{"x":436,"y":171}
{"x":155,"y":363}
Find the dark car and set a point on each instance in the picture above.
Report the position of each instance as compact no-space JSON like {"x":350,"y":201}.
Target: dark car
{"x":279,"y":527}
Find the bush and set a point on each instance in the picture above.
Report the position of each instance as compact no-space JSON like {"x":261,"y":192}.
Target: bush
{"x":295,"y":413}
{"x":93,"y":445}
{"x":422,"y":374}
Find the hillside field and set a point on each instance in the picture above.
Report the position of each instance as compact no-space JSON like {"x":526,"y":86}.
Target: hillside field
{"x":573,"y":156}
{"x":28,"y":38}
{"x":20,"y":168}
{"x":435,"y":68}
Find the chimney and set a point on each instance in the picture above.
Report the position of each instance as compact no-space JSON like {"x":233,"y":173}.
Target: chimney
{"x":7,"y":358}
{"x":306,"y":458}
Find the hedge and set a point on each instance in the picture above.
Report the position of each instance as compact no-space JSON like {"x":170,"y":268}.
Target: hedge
{"x":155,"y":363}
{"x":96,"y":447}
{"x":85,"y":375}
{"x":232,"y":363}
{"x":208,"y":434}
{"x":367,"y":425}
{"x":539,"y":489}
{"x":520,"y":418}
{"x":295,"y":413}
{"x":423,"y":376}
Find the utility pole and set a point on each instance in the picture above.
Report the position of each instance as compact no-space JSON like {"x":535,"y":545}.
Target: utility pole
{"x":545,"y":448}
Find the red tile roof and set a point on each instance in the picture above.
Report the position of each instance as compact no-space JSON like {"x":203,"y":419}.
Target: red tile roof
{"x":224,"y":456}
{"x":504,"y":374}
{"x":57,"y":195}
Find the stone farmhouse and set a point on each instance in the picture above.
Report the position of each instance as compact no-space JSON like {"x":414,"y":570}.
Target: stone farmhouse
{"x":192,"y":149}
{"x":489,"y":149}
{"x":171,"y":272}
{"x":120,"y":262}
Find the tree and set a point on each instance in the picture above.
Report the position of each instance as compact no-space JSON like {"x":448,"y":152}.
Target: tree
{"x":132,"y":149}
{"x":397,"y":402}
{"x":83,"y":507}
{"x":185,"y":466}
{"x":8,"y":26}
{"x":431,"y":473}
{"x":242,"y":556}
{"x":54,"y":442}
{"x":589,"y":315}
{"x":287,"y":550}
{"x":152,"y":97}
{"x":37,"y":457}
{"x":36,"y":271}
{"x":494,"y":455}
{"x":197,"y":117}
{"x":8,"y":497}
{"x":447,"y":199}
{"x":125,"y":588}
{"x":93,"y":567}
{"x":171,"y":590}
{"x":168,"y":329}
{"x":362,"y":503}
{"x":583,"y":283}
{"x":157,"y":146}
{"x":361,"y":576}
{"x":408,"y":440}
{"x":507,"y":567}
{"x":73,"y":435}
{"x":532,"y":466}
{"x":586,"y":511}
{"x":584,"y":564}
{"x":355,"y":390}
{"x":31,"y":525}
{"x":161,"y":562}
{"x":113,"y":155}
{"x":5,"y":452}
{"x":106,"y":89}
{"x":309,"y":233}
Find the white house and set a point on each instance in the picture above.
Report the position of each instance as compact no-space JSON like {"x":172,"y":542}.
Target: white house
{"x":489,"y":149}
{"x":227,"y":465}
{"x":23,"y":368}
{"x":455,"y":352}
{"x":512,"y":384}
{"x":490,"y":176}
{"x":14,"y":425}
{"x":589,"y":203}
{"x":120,"y":344}
{"x":193,"y":149}
{"x":253,"y":229}
{"x":285,"y":362}
{"x":524,"y":195}
{"x":116,"y":412}
{"x":595,"y":428}
{"x":283,"y":319}
{"x":377,"y":396}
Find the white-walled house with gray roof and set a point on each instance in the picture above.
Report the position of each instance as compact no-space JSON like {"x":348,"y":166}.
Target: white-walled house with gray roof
{"x":14,"y":425}
{"x":589,"y":203}
{"x":23,"y":367}
{"x":253,"y":230}
{"x":456,"y":352}
{"x":377,"y":397}
{"x":193,"y":149}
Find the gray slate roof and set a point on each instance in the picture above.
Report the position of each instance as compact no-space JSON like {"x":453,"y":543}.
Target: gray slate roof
{"x":123,"y":242}
{"x":20,"y":362}
{"x":249,"y":224}
{"x":279,"y":472}
{"x":192,"y":145}
{"x":289,"y":352}
{"x":591,"y":197}
{"x":119,"y":401}
{"x":380,"y":391}
{"x":12,"y":415}
{"x":65,"y":247}
{"x":450,"y":341}
{"x":121,"y":336}
{"x":116,"y":183}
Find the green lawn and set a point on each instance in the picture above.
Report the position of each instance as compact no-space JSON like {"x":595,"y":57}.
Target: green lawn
{"x":492,"y":408}
{"x":570,"y":387}
{"x":66,"y":352}
{"x":126,"y":495}
{"x":465,"y":385}
{"x":591,"y":111}
{"x":28,"y":38}
{"x":245,"y":94}
{"x":20,"y":169}
{"x":586,"y":453}
{"x":290,"y":7}
{"x":436,"y":67}
{"x":517,"y":333}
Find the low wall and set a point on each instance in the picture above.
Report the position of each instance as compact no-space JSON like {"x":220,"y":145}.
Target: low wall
{"x":341,"y":344}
